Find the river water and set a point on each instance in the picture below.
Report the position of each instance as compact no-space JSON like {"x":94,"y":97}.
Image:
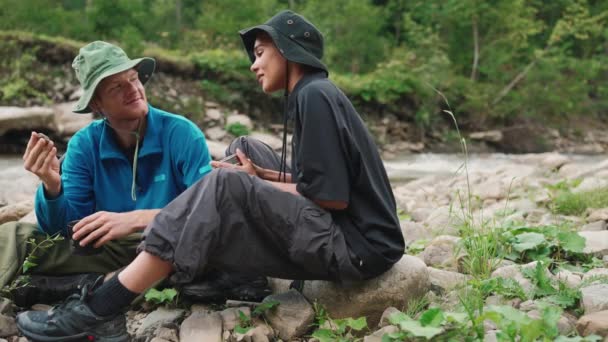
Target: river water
{"x":400,"y":170}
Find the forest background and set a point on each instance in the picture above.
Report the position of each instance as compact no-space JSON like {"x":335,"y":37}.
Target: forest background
{"x":499,"y":62}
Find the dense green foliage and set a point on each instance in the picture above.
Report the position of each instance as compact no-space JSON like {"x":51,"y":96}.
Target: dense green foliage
{"x":495,"y":60}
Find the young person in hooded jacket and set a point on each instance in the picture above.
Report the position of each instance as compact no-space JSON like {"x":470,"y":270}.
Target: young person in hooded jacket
{"x":331,"y":215}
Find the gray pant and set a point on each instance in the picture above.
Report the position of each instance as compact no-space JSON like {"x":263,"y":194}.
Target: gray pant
{"x":233,"y":221}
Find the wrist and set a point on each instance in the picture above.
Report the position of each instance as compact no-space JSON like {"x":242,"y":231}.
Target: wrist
{"x":52,"y":190}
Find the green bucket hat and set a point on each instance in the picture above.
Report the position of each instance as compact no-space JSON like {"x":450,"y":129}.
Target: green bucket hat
{"x":297,"y":39}
{"x":98,"y":60}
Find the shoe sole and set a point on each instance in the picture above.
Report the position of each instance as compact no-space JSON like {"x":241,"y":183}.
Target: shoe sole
{"x":80,"y":337}
{"x":244,"y":293}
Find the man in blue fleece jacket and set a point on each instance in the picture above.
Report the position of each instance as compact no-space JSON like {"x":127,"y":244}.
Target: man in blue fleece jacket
{"x":117,"y":173}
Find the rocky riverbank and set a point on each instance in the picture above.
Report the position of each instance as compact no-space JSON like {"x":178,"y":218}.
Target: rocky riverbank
{"x":518,"y":246}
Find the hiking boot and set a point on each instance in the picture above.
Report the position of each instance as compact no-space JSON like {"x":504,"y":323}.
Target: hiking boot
{"x":40,"y":289}
{"x":219,"y":286}
{"x":72,"y":320}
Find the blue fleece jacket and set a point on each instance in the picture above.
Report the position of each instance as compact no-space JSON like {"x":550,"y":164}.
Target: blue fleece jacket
{"x":97,"y":174}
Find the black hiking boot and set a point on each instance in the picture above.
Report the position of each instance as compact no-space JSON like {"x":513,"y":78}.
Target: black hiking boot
{"x":218,"y":286}
{"x":49,"y":289}
{"x":73,"y":320}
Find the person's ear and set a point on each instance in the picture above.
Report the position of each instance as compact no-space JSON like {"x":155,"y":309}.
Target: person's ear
{"x":95,"y":105}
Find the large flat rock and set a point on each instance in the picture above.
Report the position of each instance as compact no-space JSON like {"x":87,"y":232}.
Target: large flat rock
{"x":17,"y":118}
{"x":406,"y":280}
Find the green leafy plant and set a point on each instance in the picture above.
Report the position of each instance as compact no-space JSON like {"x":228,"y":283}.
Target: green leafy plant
{"x":340,"y":330}
{"x":543,"y":243}
{"x":166,"y":296}
{"x":237,"y":129}
{"x":569,"y":203}
{"x":37,"y":250}
{"x":246,"y":322}
{"x":432,"y":323}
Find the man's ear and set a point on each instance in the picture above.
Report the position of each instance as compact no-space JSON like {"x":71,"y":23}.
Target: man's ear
{"x":95,"y":105}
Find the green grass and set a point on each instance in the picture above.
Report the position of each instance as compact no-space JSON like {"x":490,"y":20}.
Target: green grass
{"x":568,"y":203}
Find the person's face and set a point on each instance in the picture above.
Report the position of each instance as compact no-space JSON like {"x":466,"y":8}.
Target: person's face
{"x":269,"y":66}
{"x":121,"y":97}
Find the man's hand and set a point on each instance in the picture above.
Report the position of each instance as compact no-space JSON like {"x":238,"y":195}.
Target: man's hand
{"x":40,"y":158}
{"x":104,"y":226}
{"x":246,"y":164}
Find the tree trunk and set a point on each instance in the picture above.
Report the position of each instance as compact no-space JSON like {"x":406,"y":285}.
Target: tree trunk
{"x":475,"y":49}
{"x":178,"y":16}
{"x":513,"y":83}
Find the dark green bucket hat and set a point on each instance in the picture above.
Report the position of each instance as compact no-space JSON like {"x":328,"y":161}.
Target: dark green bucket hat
{"x":297,"y":39}
{"x":98,"y":60}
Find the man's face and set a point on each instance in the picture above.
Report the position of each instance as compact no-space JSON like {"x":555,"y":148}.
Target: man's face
{"x":121,"y":96}
{"x":269,"y":66}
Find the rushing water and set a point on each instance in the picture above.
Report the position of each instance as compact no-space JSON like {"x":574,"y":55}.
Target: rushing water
{"x":403,"y":169}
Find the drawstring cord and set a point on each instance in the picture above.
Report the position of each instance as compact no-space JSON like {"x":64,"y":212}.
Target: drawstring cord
{"x":133,"y":187}
{"x":134,"y":166}
{"x":283,"y":166}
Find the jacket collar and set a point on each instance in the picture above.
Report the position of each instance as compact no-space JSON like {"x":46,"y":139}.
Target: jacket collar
{"x":109,"y":148}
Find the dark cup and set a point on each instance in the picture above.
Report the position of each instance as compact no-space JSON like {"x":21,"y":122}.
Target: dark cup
{"x":77,"y":249}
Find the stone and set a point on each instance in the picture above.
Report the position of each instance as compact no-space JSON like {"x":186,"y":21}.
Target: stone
{"x":570,"y":279}
{"x":420,"y":214}
{"x":259,"y":333}
{"x":554,"y":161}
{"x":590,"y":184}
{"x":377,"y":335}
{"x":6,"y":307}
{"x":407,"y":280}
{"x":594,"y":226}
{"x":594,"y":298}
{"x":8,"y":327}
{"x":239,"y":118}
{"x":443,"y":221}
{"x":596,"y":242}
{"x":201,"y":327}
{"x":217,"y":149}
{"x":443,"y":281}
{"x":501,"y":300}
{"x":597,"y":215}
{"x":167,"y":334}
{"x":157,"y":318}
{"x":514,"y":272}
{"x":292,"y":317}
{"x":21,"y":119}
{"x":14,"y":212}
{"x":68,"y":122}
{"x":230,"y":316}
{"x":384,"y":320}
{"x":413,"y":231}
{"x":17,"y":184}
{"x":214,"y":114}
{"x":565,"y":324}
{"x":441,"y":252}
{"x":491,"y":189}
{"x":489,"y":136}
{"x":596,"y":274}
{"x":215,"y":133}
{"x":593,"y":323}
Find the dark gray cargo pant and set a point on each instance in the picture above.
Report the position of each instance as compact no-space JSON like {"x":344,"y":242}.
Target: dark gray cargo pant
{"x":230,"y":220}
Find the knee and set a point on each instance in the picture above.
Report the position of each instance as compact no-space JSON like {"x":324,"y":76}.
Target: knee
{"x":242,"y":143}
